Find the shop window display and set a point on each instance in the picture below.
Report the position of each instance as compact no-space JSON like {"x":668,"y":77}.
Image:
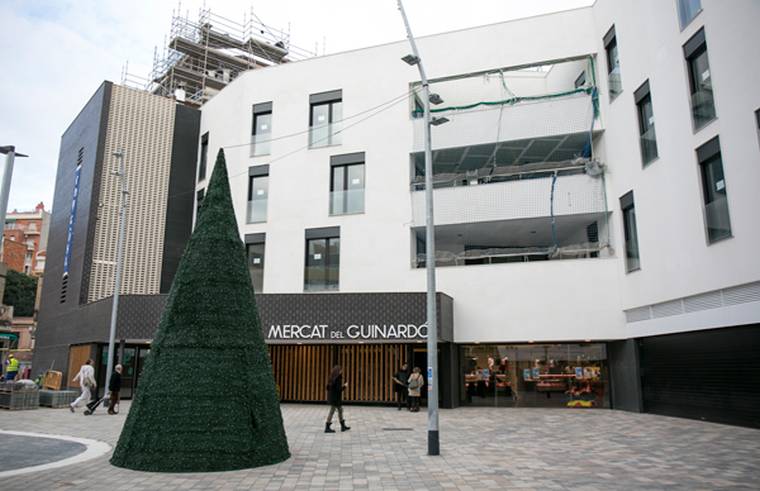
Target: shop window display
{"x":535,"y":375}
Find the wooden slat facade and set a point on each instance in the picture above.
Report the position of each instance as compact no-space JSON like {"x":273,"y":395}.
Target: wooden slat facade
{"x":78,"y":355}
{"x":301,"y":371}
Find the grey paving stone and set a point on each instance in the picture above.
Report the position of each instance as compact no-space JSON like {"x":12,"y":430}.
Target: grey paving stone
{"x":481,"y":448}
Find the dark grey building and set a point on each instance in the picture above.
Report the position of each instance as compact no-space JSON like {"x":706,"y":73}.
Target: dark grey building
{"x":160,"y":139}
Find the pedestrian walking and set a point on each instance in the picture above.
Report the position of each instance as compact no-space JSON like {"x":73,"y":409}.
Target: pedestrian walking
{"x":114,"y":386}
{"x":415,"y":383}
{"x":86,"y":379}
{"x":400,"y":386}
{"x":335,"y":387}
{"x":11,"y":367}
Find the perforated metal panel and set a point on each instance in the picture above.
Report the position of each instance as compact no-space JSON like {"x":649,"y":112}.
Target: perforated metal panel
{"x":142,"y":124}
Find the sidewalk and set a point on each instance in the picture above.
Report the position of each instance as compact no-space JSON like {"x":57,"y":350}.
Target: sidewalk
{"x":482,"y":448}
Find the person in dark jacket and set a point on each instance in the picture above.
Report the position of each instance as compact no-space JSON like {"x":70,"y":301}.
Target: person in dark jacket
{"x":114,"y":386}
{"x":335,"y":387}
{"x":399,"y":385}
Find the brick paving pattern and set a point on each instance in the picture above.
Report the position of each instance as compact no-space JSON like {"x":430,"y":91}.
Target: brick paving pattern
{"x":482,"y":448}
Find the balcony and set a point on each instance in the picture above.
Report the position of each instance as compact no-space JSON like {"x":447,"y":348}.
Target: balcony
{"x":260,"y":144}
{"x":325,"y":134}
{"x":553,"y":117}
{"x":580,"y":236}
{"x":648,"y":143}
{"x":702,"y":107}
{"x":347,"y":202}
{"x":257,"y":210}
{"x":615,"y":82}
{"x":530,"y":197}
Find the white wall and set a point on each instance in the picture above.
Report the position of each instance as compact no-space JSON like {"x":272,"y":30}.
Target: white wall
{"x":676,"y":260}
{"x":545,"y":301}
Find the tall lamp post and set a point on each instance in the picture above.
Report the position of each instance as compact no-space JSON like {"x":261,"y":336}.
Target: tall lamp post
{"x":122,"y":174}
{"x":10,"y":157}
{"x":432,"y":321}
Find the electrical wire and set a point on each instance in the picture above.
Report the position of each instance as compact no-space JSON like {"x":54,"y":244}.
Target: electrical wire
{"x":303,"y":132}
{"x":379,"y":109}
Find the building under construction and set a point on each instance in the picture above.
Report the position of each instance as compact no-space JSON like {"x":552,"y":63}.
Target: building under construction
{"x":201,"y":57}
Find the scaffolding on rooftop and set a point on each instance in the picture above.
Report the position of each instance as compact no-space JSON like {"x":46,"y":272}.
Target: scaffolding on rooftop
{"x":200,"y":57}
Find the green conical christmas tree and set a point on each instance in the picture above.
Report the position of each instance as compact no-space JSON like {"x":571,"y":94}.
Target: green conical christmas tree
{"x":206,"y":400}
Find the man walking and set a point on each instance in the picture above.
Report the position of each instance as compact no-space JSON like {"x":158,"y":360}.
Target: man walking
{"x":86,"y":379}
{"x":114,"y":386}
{"x":11,"y":367}
{"x":399,"y":385}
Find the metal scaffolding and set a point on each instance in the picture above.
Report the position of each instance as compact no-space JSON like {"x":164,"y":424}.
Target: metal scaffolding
{"x":202,"y":56}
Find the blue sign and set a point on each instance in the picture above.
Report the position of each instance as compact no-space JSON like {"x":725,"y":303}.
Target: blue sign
{"x":72,"y":221}
{"x":430,"y":379}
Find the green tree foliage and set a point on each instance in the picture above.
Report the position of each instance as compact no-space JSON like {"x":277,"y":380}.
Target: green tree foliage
{"x":206,"y":400}
{"x":20,"y":291}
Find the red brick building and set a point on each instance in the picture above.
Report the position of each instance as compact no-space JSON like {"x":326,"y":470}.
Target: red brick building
{"x":25,"y":240}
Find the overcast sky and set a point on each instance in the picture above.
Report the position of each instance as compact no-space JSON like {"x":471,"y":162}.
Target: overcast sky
{"x":57,"y":52}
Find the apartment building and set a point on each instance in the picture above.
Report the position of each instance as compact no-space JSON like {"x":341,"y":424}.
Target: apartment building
{"x":584,"y":259}
{"x":25,"y":240}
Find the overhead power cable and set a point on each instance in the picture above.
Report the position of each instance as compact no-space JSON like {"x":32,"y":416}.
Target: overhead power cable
{"x":302,"y":132}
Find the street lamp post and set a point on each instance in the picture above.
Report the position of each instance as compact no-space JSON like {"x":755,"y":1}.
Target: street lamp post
{"x":10,"y":157}
{"x":432,"y":321}
{"x":122,"y":174}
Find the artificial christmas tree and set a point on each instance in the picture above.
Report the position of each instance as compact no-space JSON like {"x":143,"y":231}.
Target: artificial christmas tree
{"x":206,"y":400}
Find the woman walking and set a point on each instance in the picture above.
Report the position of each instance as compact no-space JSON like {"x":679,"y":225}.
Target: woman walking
{"x":415,"y":384}
{"x":335,"y":386}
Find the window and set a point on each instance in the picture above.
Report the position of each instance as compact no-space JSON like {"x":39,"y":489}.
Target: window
{"x":613,"y":63}
{"x":204,"y":157}
{"x":687,"y":10}
{"x":255,"y":244}
{"x":198,"y":201}
{"x":647,"y":137}
{"x":717,"y":220}
{"x":325,"y":117}
{"x":630,"y":232}
{"x":757,"y":120}
{"x":581,"y":80}
{"x":322,"y":259}
{"x":262,"y":129}
{"x":347,"y":184}
{"x":700,"y":80}
{"x":258,"y":193}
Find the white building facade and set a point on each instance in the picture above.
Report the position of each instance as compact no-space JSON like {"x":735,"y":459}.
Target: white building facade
{"x":585,"y":259}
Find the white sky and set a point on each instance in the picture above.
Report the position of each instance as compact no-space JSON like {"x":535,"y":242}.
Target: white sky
{"x":55,"y":53}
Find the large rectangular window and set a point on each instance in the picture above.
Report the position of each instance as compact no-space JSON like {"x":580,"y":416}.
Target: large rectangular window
{"x":322,"y":259}
{"x":255,"y":245}
{"x":347,"y":184}
{"x":687,"y":10}
{"x":262,"y":129}
{"x":204,"y":157}
{"x":717,"y":220}
{"x":613,"y":63}
{"x":258,"y":193}
{"x":647,"y":137}
{"x":630,"y":232}
{"x":700,"y":80}
{"x":535,"y":375}
{"x":325,"y":116}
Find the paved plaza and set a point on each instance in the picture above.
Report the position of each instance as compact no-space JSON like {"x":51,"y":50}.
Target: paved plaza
{"x":482,"y":448}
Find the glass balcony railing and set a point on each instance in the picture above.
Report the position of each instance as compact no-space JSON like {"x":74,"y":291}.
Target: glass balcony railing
{"x":321,"y":278}
{"x":257,"y":210}
{"x":347,"y":202}
{"x":260,"y":144}
{"x":324,"y":135}
{"x":717,"y":220}
{"x":702,"y":107}
{"x":648,"y":143}
{"x":616,"y":82}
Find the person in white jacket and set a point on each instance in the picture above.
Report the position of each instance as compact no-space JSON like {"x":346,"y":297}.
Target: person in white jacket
{"x":86,"y":379}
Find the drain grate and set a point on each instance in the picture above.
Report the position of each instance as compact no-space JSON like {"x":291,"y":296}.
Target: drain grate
{"x":398,"y":429}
